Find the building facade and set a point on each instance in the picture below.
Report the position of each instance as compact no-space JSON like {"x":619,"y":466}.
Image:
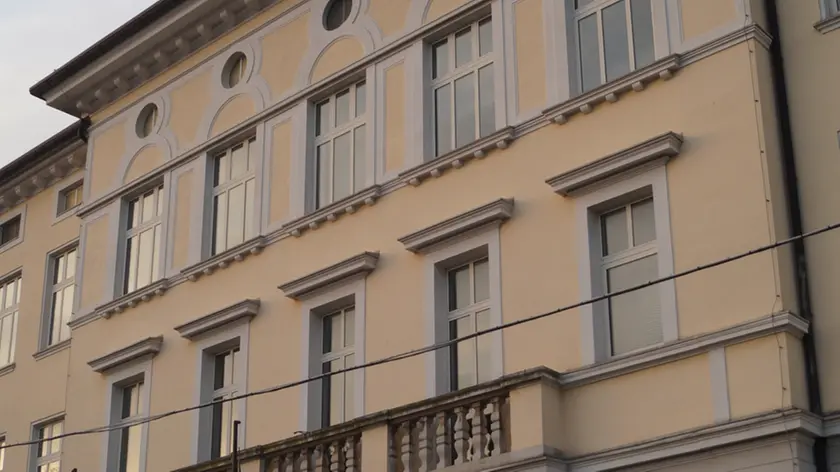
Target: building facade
{"x":260,"y":192}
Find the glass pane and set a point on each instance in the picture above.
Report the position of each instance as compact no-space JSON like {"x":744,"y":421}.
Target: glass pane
{"x":616,"y":50}
{"x":236,"y":216}
{"x":132,"y":452}
{"x":590,"y":56}
{"x":220,"y":368}
{"x":220,"y":233}
{"x":484,"y":347}
{"x":342,"y":108}
{"x":252,"y":155}
{"x":463,"y":47}
{"x":465,"y":354}
{"x":250,"y":186}
{"x":324,"y":175}
{"x":642,"y":32}
{"x":43,"y":446}
{"x":349,"y":389}
{"x":222,"y":169}
{"x":133,"y":260}
{"x":440,"y":59}
{"x":582,"y":3}
{"x":349,"y":327}
{"x":55,"y":317}
{"x":482,"y":280}
{"x":11,"y":296}
{"x":459,"y":288}
{"x":485,"y":37}
{"x":133,"y":213}
{"x":329,"y":333}
{"x":486,"y":101}
{"x":359,"y":158}
{"x":70,"y":264}
{"x":464,"y":110}
{"x":5,"y":339}
{"x":614,"y":231}
{"x":156,"y":254}
{"x":148,"y":206}
{"x":56,"y":443}
{"x":144,"y":259}
{"x":67,"y":312}
{"x":361,"y":99}
{"x":443,"y":120}
{"x":159,"y":196}
{"x":635,"y":319}
{"x":336,"y":393}
{"x":342,"y":167}
{"x":225,"y":431}
{"x":18,"y":283}
{"x":238,"y":162}
{"x":644,"y":224}
{"x":59,"y":269}
{"x":335,"y":330}
{"x":322,"y":118}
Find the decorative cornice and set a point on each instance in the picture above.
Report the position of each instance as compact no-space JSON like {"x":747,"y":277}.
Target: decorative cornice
{"x":130,"y":300}
{"x":40,"y":177}
{"x":334,"y":211}
{"x":751,"y":31}
{"x":305,"y":286}
{"x":53,"y":349}
{"x":585,"y":103}
{"x":245,"y":309}
{"x":829,"y":24}
{"x":660,"y":148}
{"x":148,"y":346}
{"x":223,"y":260}
{"x":497,"y":211}
{"x":457,"y":158}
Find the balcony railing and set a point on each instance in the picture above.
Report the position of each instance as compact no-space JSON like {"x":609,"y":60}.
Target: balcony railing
{"x":339,"y":454}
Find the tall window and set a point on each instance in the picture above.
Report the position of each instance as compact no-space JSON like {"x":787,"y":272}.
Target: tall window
{"x":2,"y":452}
{"x":10,"y":299}
{"x":340,"y":144}
{"x":628,"y":241}
{"x":462,"y":83}
{"x":63,"y":286}
{"x":131,"y":409}
{"x":49,"y":450}
{"x":10,"y":230}
{"x":224,"y":414}
{"x":234,"y":184}
{"x":614,"y":38}
{"x":338,"y":397}
{"x":142,"y":249}
{"x":469,"y":312}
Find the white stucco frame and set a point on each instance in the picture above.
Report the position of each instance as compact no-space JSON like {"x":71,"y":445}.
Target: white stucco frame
{"x":589,"y":204}
{"x":480,"y":242}
{"x":341,"y":294}
{"x":69,"y":182}
{"x":140,"y":369}
{"x":47,"y":294}
{"x":8,"y":216}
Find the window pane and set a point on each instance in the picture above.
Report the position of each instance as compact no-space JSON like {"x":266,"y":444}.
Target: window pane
{"x":236,"y":216}
{"x":2,"y":452}
{"x":322,"y":118}
{"x":642,"y":32}
{"x":328,"y":334}
{"x":485,"y":37}
{"x":440,"y":59}
{"x":220,"y":234}
{"x":144,"y":258}
{"x":464,"y":110}
{"x":635,"y":319}
{"x":56,"y":431}
{"x":459,"y":288}
{"x":70,"y":264}
{"x":361,"y":99}
{"x":482,"y":280}
{"x":67,"y":312}
{"x":131,"y":456}
{"x":359,"y":158}
{"x":463,"y":47}
{"x":349,"y":327}
{"x":484,"y":347}
{"x":465,"y":354}
{"x":225,"y":428}
{"x":590,"y":56}
{"x":156,"y":254}
{"x":582,"y":3}
{"x":250,"y":186}
{"x":486,"y":101}
{"x":335,"y":331}
{"x":616,"y":50}
{"x":349,"y":389}
{"x":644,"y":224}
{"x":238,"y":162}
{"x":131,"y":266}
{"x":324,"y":174}
{"x":336,"y":393}
{"x":133,"y":213}
{"x":342,"y":108}
{"x":148,"y":206}
{"x":55,"y":317}
{"x":614,"y":231}
{"x":5,"y":339}
{"x":59,"y":269}
{"x":443,"y":120}
{"x":252,"y":155}
{"x":222,"y":169}
{"x":343,"y":167}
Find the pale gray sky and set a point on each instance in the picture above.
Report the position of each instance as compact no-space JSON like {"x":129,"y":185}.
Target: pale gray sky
{"x":37,"y":37}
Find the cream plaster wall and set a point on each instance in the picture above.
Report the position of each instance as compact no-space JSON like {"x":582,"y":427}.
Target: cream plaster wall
{"x":704,"y":16}
{"x":95,"y":261}
{"x":146,"y":160}
{"x":281,"y":154}
{"x":287,"y":44}
{"x":189,"y":102}
{"x":395,"y":116}
{"x":389,"y":15}
{"x":530,"y":55}
{"x":235,"y":111}
{"x":438,"y":8}
{"x":104,"y":159}
{"x":338,"y":55}
{"x":755,"y":376}
{"x":184,"y":200}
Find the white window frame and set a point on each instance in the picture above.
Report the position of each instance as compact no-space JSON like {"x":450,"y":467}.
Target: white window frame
{"x":483,"y":242}
{"x":37,"y":460}
{"x":457,"y":72}
{"x":349,"y":292}
{"x":2,"y":451}
{"x":829,"y":8}
{"x":333,"y":133}
{"x":470,"y":311}
{"x":21,"y":212}
{"x":342,"y":354}
{"x":10,"y":314}
{"x":208,"y":345}
{"x":232,"y":183}
{"x":52,"y":288}
{"x":159,"y":192}
{"x":590,"y":204}
{"x":62,"y":207}
{"x":118,"y":379}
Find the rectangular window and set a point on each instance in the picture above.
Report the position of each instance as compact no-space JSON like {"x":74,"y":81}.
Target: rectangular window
{"x":224,"y":414}
{"x":131,"y":408}
{"x":469,"y":312}
{"x":10,"y":230}
{"x":63,"y":283}
{"x":234,"y":184}
{"x":48,"y":458}
{"x":9,"y":302}
{"x":338,"y":345}
{"x":629,"y":258}
{"x":143,"y":240}
{"x":614,"y":38}
{"x":70,"y":198}
{"x":462,"y":86}
{"x":341,"y":144}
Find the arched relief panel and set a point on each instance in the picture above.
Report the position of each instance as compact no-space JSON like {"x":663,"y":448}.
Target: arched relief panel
{"x":338,"y":55}
{"x":390,"y":16}
{"x":146,"y":160}
{"x":424,"y":11}
{"x":106,"y":147}
{"x":236,"y":110}
{"x":288,"y":43}
{"x":144,"y":154}
{"x":190,"y":101}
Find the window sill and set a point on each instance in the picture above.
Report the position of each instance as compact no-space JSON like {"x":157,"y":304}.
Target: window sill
{"x":334,"y":211}
{"x":10,"y":245}
{"x":222,"y":260}
{"x":50,"y":350}
{"x":662,"y":69}
{"x":7,"y":369}
{"x":829,"y":24}
{"x":133,"y":299}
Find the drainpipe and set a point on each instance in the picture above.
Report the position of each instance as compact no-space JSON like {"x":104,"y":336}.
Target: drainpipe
{"x":803,"y":291}
{"x":82,"y":134}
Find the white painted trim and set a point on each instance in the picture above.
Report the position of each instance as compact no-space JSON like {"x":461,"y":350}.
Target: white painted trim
{"x":58,"y":191}
{"x":309,"y":285}
{"x":720,"y":385}
{"x":497,"y":211}
{"x":246,"y":309}
{"x":312,"y":309}
{"x":20,"y":210}
{"x":828,"y":24}
{"x":269,"y":187}
{"x":147,"y":347}
{"x":480,"y":242}
{"x":160,"y":137}
{"x":44,"y":347}
{"x":116,"y":379}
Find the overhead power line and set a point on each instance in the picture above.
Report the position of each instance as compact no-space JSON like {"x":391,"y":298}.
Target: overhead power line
{"x":440,"y":345}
